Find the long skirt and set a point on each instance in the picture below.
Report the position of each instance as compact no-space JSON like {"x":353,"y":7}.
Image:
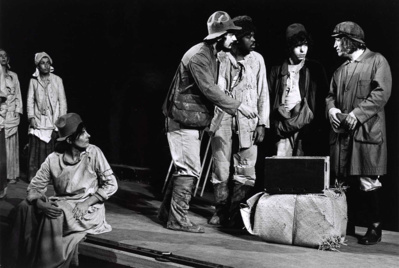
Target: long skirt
{"x":38,"y":241}
{"x":12,"y":146}
{"x":3,"y":162}
{"x":38,"y":151}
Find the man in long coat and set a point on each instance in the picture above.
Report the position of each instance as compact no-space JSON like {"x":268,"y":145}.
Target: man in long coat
{"x":359,"y":90}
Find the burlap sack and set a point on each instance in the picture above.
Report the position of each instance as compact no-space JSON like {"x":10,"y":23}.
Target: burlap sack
{"x":303,"y":220}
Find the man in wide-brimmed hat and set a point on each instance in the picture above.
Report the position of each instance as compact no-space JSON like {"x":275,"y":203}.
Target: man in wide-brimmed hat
{"x":188,"y":109}
{"x":359,"y":90}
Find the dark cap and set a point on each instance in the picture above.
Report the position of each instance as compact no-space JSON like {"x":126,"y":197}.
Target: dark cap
{"x":67,"y":125}
{"x":245,"y":22}
{"x":294,"y":29}
{"x":350,"y":30}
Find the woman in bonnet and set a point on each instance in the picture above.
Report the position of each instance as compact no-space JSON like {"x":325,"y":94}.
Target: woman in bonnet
{"x":46,"y":102}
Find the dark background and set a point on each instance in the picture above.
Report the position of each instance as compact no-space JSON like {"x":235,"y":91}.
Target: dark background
{"x":117,"y":58}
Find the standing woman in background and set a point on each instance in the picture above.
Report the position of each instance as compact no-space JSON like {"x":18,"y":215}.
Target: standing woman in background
{"x":12,"y":118}
{"x":3,"y":157}
{"x":46,"y":103}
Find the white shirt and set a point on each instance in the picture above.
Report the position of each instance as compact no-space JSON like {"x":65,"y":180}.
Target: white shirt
{"x":292,"y":93}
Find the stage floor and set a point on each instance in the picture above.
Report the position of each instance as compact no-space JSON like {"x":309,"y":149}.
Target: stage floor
{"x":132,"y":214}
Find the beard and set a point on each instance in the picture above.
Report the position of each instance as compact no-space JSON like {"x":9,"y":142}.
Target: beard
{"x":244,"y":49}
{"x":220,"y":45}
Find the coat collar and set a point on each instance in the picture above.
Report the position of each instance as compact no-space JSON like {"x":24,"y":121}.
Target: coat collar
{"x":67,"y":158}
{"x":364,"y":56}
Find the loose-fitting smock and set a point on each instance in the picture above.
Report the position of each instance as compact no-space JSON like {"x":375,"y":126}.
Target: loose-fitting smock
{"x":3,"y":156}
{"x":56,"y":239}
{"x":45,"y":103}
{"x":12,"y":119}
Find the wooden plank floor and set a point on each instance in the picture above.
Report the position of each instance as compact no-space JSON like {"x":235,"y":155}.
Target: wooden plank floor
{"x":132,"y":214}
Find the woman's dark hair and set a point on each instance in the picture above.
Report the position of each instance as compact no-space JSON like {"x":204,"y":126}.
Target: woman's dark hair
{"x":350,"y":45}
{"x":299,"y":39}
{"x":62,"y":146}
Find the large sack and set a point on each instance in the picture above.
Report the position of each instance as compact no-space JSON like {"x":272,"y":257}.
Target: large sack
{"x":303,"y":220}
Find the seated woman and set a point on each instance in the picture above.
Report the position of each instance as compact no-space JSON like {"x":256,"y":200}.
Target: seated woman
{"x":47,"y":229}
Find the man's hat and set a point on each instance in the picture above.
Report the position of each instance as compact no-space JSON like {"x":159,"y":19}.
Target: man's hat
{"x":218,"y":24}
{"x":67,"y":125}
{"x":349,"y":29}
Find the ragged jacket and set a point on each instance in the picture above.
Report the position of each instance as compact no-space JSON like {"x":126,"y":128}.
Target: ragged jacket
{"x":194,"y":89}
{"x":250,"y":88}
{"x":39,"y":95}
{"x":366,"y":92}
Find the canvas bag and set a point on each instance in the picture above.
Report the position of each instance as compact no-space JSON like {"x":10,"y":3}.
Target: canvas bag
{"x":297,"y":117}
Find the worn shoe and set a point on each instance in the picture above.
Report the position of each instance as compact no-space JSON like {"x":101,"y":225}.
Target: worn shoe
{"x":220,"y":217}
{"x":372,"y":236}
{"x":193,"y":228}
{"x":12,"y":181}
{"x":217,"y":220}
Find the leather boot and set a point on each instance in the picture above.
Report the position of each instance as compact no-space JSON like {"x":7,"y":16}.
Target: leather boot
{"x":239,"y":195}
{"x":221,"y":193}
{"x":163,"y":212}
{"x":178,"y":215}
{"x":373,"y":235}
{"x":374,"y":232}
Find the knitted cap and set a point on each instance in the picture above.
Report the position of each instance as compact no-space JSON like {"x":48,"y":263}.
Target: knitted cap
{"x":294,"y":29}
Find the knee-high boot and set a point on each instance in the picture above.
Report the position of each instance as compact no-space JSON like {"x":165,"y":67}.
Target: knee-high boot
{"x":221,"y":193}
{"x":178,"y":215}
{"x":239,"y":195}
{"x":163,"y":212}
{"x":374,"y":231}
